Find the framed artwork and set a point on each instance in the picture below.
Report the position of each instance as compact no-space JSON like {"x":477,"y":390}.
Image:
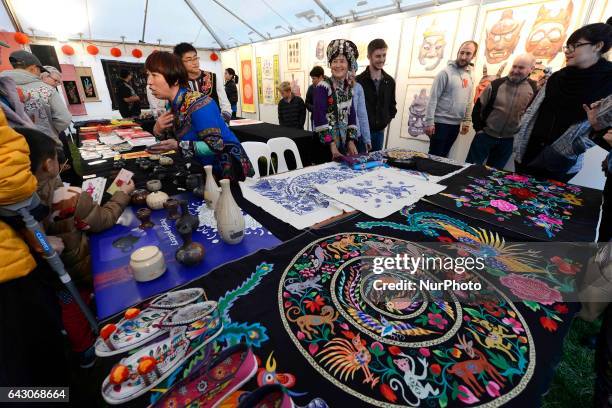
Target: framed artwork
{"x":267,"y":67}
{"x":87,"y":84}
{"x":72,"y":92}
{"x":294,"y":55}
{"x":415,"y":106}
{"x":246,"y":79}
{"x":268,"y":91}
{"x":433,"y":42}
{"x":46,"y":54}
{"x":536,"y":27}
{"x":276,"y":75}
{"x":296,"y":79}
{"x":112,"y":68}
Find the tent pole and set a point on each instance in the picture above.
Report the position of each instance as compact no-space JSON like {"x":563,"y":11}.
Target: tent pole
{"x":239,"y":19}
{"x":319,"y":3}
{"x":12,"y":16}
{"x":144,"y":24}
{"x":204,"y":23}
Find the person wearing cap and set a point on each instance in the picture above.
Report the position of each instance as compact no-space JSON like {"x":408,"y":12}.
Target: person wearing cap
{"x":335,"y":121}
{"x":42,"y":103}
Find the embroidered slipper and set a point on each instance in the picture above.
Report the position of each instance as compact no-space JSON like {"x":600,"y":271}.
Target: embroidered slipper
{"x":272,"y":395}
{"x":190,"y":328}
{"x":214,"y":382}
{"x":138,"y":327}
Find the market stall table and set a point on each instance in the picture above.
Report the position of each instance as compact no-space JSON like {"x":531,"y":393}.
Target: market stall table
{"x":349,"y":347}
{"x":114,"y":284}
{"x":262,"y":132}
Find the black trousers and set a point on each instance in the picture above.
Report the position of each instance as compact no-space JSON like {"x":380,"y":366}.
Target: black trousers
{"x":32,"y":349}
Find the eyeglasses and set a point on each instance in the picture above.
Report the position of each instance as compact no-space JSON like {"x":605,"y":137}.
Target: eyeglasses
{"x":572,"y":47}
{"x":190,"y":60}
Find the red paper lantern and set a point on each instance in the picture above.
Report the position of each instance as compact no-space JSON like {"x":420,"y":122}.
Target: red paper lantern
{"x":22,"y":38}
{"x":136,"y":53}
{"x":214,"y":57}
{"x":92,"y":49}
{"x":115,"y":52}
{"x":67,"y":49}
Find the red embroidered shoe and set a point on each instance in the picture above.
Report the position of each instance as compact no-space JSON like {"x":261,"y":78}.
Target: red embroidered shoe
{"x":211,"y":384}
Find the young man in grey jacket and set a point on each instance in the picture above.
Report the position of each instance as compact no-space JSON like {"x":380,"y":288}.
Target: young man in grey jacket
{"x":449,"y":102}
{"x":497,"y":114}
{"x":43,"y":103}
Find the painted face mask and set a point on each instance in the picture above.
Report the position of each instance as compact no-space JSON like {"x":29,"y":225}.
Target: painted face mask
{"x":416,"y":116}
{"x":487,"y":79}
{"x":432,"y":48}
{"x":549,"y":31}
{"x":320,"y":52}
{"x":503,"y":38}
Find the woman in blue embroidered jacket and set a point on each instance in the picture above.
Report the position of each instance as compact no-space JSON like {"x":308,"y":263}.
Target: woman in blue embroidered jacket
{"x":195,"y":119}
{"x":335,"y":121}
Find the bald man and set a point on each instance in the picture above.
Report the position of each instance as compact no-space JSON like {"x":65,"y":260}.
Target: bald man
{"x":497,"y":114}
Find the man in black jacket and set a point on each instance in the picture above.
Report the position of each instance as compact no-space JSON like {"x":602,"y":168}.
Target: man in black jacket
{"x":379,"y":90}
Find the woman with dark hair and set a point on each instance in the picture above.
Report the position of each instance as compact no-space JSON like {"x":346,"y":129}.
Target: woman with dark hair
{"x":586,"y":79}
{"x":127,"y":99}
{"x":333,"y":115}
{"x":231,"y":79}
{"x":195,"y":119}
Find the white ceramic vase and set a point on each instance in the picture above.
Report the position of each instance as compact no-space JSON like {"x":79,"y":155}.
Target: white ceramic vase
{"x":156,"y":200}
{"x":230,"y":220}
{"x":211,"y":189}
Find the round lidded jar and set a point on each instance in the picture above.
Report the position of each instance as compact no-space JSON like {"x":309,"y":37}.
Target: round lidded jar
{"x":147,"y":263}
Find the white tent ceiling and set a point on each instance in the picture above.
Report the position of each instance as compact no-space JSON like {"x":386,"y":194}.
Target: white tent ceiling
{"x":204,"y":23}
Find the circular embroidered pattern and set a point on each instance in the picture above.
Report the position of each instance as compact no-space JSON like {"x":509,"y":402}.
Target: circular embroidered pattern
{"x":406,"y":346}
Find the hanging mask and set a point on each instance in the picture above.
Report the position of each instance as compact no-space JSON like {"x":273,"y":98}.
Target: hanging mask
{"x":502,"y":38}
{"x":549,"y":31}
{"x":432,"y":47}
{"x":320,"y":51}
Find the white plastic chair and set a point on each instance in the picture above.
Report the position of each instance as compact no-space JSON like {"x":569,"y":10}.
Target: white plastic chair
{"x":280,"y":145}
{"x":256,"y":150}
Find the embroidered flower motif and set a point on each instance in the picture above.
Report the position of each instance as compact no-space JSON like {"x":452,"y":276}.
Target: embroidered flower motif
{"x":549,"y":324}
{"x":436,"y":319}
{"x":564,"y":267}
{"x":316,"y":304}
{"x":493,"y":389}
{"x":531,"y":289}
{"x":487,"y":210}
{"x":572,"y":199}
{"x":561,"y":308}
{"x":327,"y":138}
{"x":202,"y":386}
{"x":435,"y":369}
{"x":549,"y":220}
{"x":517,"y":327}
{"x":522,"y":193}
{"x":388,"y":393}
{"x":517,"y":177}
{"x":503,"y":205}
{"x":330,"y":100}
{"x":424,"y":352}
{"x":394,"y":350}
{"x":465,"y":395}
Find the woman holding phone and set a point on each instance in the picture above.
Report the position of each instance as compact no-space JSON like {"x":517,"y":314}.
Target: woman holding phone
{"x":198,"y":126}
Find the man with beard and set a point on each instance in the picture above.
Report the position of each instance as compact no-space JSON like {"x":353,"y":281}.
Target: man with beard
{"x":449,"y":102}
{"x":497,"y":113}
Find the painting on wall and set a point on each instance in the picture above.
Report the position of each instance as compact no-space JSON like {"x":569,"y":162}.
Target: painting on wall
{"x":433,"y":42}
{"x":267,"y":67}
{"x":248,"y":97}
{"x":259,"y":80}
{"x":87,"y":83}
{"x":276,"y":75}
{"x":46,"y":54}
{"x":268,"y":91}
{"x":112,"y":68}
{"x":296,"y":79}
{"x":536,"y":27}
{"x":415,"y":107}
{"x":72,"y":92}
{"x":294,"y":55}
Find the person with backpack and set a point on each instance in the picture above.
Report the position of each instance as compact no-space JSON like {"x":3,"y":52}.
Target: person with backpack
{"x":497,"y":113}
